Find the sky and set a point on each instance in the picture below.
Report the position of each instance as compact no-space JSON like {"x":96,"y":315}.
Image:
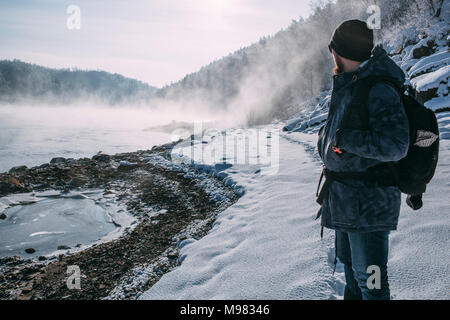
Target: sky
{"x":155,"y":41}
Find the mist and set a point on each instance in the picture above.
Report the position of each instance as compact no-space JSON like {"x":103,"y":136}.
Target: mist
{"x":276,"y":77}
{"x":74,"y":113}
{"x":270,"y":79}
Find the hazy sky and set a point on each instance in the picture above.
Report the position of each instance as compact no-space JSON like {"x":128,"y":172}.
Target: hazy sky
{"x":156,"y":41}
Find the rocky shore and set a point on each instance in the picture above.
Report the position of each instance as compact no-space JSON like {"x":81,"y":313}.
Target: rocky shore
{"x":173,"y":204}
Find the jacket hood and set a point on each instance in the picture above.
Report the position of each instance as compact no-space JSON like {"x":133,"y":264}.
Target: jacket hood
{"x":380,"y":64}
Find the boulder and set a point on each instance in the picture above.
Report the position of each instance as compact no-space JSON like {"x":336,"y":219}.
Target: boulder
{"x":424,"y":96}
{"x":11,"y":186}
{"x":102,"y":157}
{"x":18,"y":169}
{"x":77,"y":182}
{"x":58,"y":160}
{"x":5,"y":187}
{"x":126,"y":166}
{"x":15,"y":182}
{"x":424,"y":51}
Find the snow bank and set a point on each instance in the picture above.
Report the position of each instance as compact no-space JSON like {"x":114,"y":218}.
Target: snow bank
{"x":431,"y":80}
{"x":310,"y":117}
{"x":438,"y":103}
{"x":430,"y":63}
{"x":444,"y":125}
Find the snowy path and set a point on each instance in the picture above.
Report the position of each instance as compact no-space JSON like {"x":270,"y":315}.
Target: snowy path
{"x":267,"y":245}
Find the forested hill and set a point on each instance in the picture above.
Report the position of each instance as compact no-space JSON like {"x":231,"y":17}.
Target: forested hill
{"x":25,"y":83}
{"x":283,"y":73}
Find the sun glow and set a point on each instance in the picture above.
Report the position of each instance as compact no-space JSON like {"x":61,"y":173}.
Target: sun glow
{"x":219,"y":4}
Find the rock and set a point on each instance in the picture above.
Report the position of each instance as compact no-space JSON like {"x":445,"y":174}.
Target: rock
{"x":3,"y":216}
{"x":172,"y":255}
{"x":77,"y":182}
{"x":424,"y":51}
{"x":424,"y":96}
{"x":18,"y":169}
{"x":126,"y":166}
{"x":4,"y":187}
{"x":222,"y":175}
{"x":66,"y":189}
{"x":42,"y":258}
{"x":116,"y":224}
{"x":30,"y":250}
{"x":27,"y":289}
{"x":58,"y":160}
{"x":101,"y":157}
{"x":63,"y":247}
{"x":240,"y":191}
{"x":222,"y":166}
{"x":15,"y":182}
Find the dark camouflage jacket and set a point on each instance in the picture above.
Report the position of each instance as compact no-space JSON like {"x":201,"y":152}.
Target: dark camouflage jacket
{"x":354,"y":205}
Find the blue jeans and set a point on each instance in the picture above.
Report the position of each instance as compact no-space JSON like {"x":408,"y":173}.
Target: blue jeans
{"x":358,"y":251}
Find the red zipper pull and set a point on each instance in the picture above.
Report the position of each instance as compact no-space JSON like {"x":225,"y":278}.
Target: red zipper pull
{"x":337,"y":150}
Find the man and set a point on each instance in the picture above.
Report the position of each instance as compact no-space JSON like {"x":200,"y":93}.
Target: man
{"x":362,"y":212}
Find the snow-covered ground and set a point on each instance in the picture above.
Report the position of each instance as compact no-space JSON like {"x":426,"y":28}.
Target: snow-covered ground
{"x":268,"y":246}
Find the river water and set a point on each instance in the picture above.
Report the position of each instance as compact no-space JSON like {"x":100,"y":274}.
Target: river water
{"x":32,"y":136}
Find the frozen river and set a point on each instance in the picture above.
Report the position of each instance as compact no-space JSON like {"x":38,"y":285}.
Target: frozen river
{"x":48,"y":224}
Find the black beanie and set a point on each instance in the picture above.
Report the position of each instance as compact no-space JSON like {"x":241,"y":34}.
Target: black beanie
{"x":353,"y":40}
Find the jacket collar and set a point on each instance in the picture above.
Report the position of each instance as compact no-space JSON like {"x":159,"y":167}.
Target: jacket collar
{"x":346,"y":78}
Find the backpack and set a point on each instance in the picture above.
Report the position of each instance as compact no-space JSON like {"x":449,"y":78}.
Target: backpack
{"x":416,"y":170}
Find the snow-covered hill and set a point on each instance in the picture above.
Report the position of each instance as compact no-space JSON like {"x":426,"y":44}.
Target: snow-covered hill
{"x":425,"y":62}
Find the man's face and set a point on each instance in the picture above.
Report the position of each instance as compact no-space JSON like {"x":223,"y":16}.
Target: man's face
{"x":339,"y":66}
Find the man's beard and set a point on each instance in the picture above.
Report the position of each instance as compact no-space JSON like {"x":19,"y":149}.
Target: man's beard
{"x":339,"y":67}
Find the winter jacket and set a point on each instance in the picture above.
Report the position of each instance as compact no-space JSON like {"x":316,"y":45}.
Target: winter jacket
{"x":356,"y":205}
